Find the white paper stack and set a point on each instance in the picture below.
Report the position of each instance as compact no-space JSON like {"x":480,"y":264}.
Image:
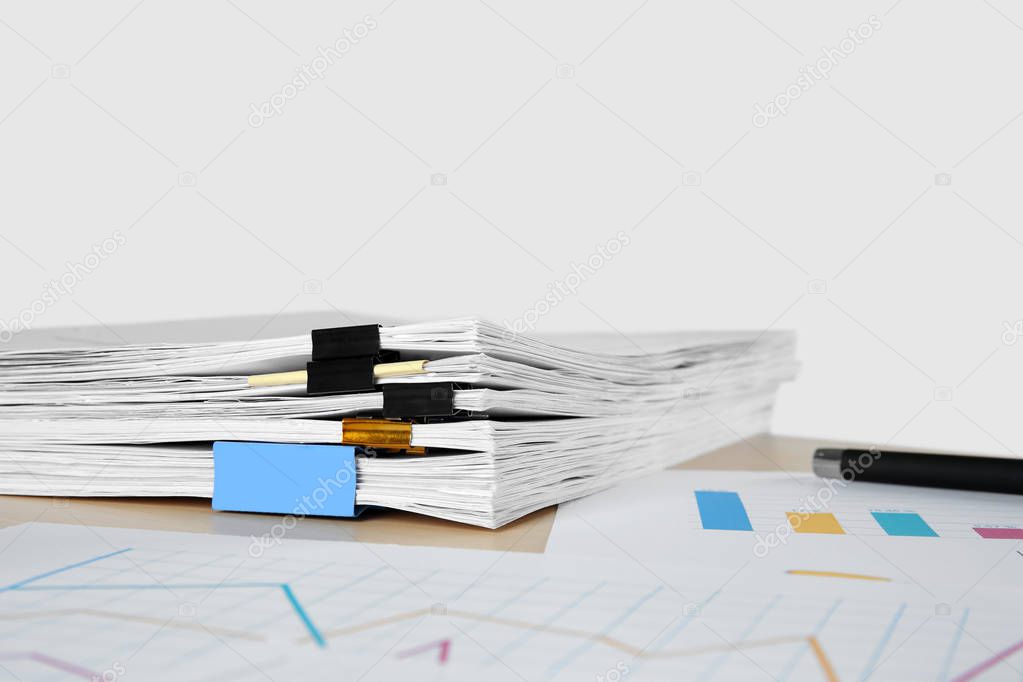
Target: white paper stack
{"x":534,"y":422}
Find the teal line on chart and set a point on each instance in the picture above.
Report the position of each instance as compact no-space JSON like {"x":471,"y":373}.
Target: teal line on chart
{"x":947,"y":665}
{"x":140,"y":586}
{"x":292,"y":600}
{"x":876,"y":656}
{"x":255,"y":627}
{"x":313,"y":632}
{"x":19,"y":585}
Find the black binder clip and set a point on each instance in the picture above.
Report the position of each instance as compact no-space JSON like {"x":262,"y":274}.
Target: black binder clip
{"x":345,"y":375}
{"x":402,"y":401}
{"x":346,"y":342}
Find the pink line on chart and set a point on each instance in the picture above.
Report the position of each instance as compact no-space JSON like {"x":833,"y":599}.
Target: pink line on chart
{"x":50,"y":661}
{"x":989,"y":663}
{"x":443,"y":645}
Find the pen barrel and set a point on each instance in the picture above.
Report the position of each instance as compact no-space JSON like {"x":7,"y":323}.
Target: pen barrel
{"x":990,"y":474}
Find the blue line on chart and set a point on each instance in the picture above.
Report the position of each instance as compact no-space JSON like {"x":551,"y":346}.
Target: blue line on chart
{"x":364,"y":608}
{"x":874,"y":657}
{"x":351,"y":583}
{"x":19,"y":585}
{"x":562,"y":611}
{"x":722,"y":657}
{"x":559,"y":665}
{"x":515,"y":597}
{"x":669,"y":636}
{"x":953,"y":646}
{"x":802,"y":650}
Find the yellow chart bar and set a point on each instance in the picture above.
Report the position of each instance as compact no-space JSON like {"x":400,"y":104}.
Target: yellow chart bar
{"x":838,"y":574}
{"x":814,"y":523}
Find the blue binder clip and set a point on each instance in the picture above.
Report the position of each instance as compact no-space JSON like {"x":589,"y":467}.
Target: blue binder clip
{"x":283,"y":478}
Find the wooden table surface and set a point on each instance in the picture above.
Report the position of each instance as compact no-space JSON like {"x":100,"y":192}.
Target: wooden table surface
{"x":528,"y":534}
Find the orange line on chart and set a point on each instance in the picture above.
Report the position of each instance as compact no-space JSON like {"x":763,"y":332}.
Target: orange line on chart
{"x":838,"y":574}
{"x":822,"y":659}
{"x":240,"y":634}
{"x":637,"y":652}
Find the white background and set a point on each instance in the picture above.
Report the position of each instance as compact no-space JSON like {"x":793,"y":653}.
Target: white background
{"x":554,"y":127}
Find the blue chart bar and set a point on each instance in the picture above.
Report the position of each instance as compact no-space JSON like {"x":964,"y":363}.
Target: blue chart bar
{"x":904,"y":523}
{"x":721,"y":511}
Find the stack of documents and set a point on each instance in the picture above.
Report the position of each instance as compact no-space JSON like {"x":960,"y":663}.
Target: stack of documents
{"x":458,"y":419}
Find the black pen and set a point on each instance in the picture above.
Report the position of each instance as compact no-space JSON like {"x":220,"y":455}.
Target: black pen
{"x":990,"y":474}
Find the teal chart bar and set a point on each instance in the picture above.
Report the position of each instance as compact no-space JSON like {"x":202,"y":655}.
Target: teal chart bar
{"x":721,"y":510}
{"x":904,"y":523}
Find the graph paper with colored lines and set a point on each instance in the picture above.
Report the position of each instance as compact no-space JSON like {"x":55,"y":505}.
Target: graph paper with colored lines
{"x":91,"y":603}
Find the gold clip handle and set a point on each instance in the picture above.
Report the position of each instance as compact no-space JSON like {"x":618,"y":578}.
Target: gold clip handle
{"x":382,"y":434}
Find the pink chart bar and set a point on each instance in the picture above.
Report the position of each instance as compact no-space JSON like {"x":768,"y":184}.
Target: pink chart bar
{"x":1000,"y":533}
